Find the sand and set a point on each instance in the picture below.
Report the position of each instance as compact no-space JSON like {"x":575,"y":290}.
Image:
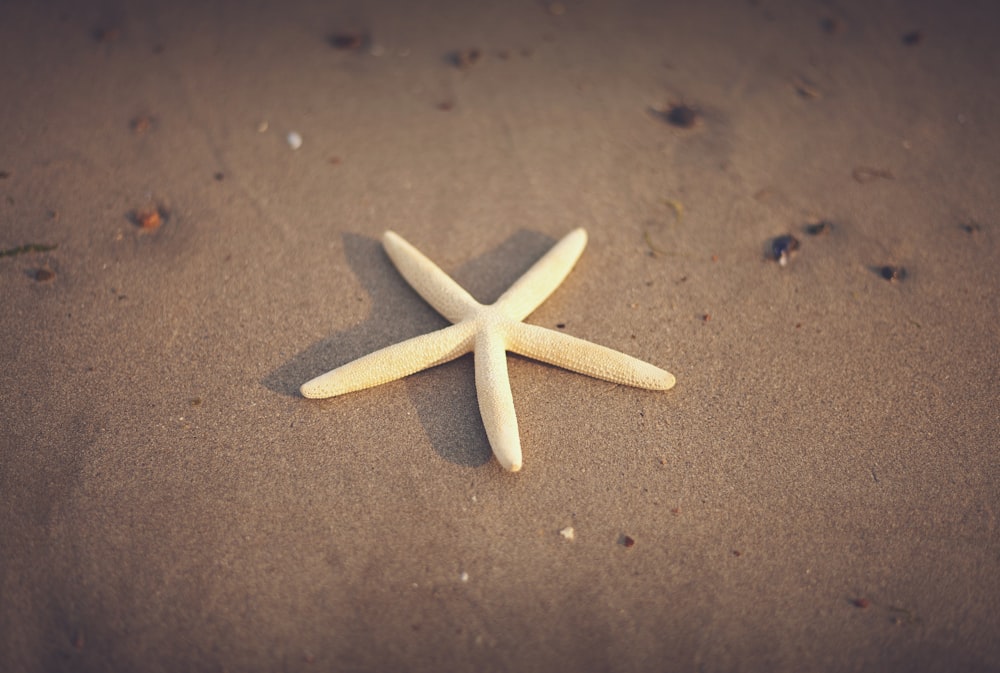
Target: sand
{"x":819,"y":492}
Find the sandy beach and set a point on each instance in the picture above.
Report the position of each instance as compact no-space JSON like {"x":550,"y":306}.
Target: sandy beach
{"x":791,"y":206}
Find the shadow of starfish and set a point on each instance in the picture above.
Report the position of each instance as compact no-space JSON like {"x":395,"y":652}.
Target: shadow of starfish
{"x":445,"y":398}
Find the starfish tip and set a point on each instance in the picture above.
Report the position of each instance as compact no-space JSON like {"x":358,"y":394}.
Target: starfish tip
{"x":668,"y":381}
{"x":309,"y":391}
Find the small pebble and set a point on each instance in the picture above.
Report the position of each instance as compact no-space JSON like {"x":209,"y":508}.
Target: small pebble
{"x":682,"y":116}
{"x":782,"y":248}
{"x":831,"y":25}
{"x":141,"y":124}
{"x":106,"y":34}
{"x":464,"y":577}
{"x":463,"y":59}
{"x":568,"y":533}
{"x":148,"y":219}
{"x":349,"y":41}
{"x":893,"y":273}
{"x":43,"y":275}
{"x":819,"y":228}
{"x":294,"y":140}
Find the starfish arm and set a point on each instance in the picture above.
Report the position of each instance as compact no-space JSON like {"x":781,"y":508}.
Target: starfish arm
{"x":393,"y":362}
{"x":585,"y":357}
{"x":496,"y":403}
{"x":542,"y":279}
{"x":434,"y":285}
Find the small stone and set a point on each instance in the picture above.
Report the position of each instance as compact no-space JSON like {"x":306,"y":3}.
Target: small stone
{"x":819,"y":228}
{"x":463,"y":59}
{"x":568,"y":533}
{"x":782,"y":248}
{"x":106,"y":34}
{"x":294,"y":140}
{"x":149,"y":219}
{"x":831,"y":25}
{"x":141,"y":124}
{"x":351,"y":41}
{"x":682,"y":116}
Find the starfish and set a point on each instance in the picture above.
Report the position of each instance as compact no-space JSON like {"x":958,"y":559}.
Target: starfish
{"x":488,"y":332}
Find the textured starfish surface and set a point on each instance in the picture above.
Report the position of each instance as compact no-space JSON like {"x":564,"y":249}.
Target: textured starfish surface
{"x":488,"y":332}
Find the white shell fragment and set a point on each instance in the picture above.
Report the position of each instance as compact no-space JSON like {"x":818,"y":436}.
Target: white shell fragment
{"x":568,"y":533}
{"x":294,"y":140}
{"x":489,"y":332}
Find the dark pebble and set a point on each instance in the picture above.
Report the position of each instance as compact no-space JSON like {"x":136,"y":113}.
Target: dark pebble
{"x":681,"y":116}
{"x":782,"y":247}
{"x":819,"y":228}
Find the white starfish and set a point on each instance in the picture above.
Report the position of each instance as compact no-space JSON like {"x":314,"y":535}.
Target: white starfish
{"x":489,"y":332}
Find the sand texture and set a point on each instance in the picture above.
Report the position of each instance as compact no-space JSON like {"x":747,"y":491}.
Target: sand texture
{"x":819,"y":492}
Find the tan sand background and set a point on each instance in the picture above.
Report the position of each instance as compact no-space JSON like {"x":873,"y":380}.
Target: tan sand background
{"x":819,"y":491}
